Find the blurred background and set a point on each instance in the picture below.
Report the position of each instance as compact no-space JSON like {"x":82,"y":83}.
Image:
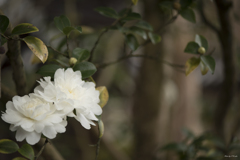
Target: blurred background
{"x":150,"y":102}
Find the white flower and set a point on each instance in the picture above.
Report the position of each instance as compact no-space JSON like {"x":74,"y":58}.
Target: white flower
{"x":69,"y":92}
{"x":31,"y":117}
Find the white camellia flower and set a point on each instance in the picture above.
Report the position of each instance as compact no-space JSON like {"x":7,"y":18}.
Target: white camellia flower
{"x":31,"y":116}
{"x":69,"y":92}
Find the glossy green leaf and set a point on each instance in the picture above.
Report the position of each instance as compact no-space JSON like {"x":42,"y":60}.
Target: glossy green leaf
{"x":134,"y":2}
{"x":132,"y":16}
{"x":81,"y":54}
{"x":24,"y":28}
{"x":201,"y":41}
{"x":48,"y":70}
{"x":155,"y":38}
{"x":104,"y":96}
{"x":209,"y":62}
{"x":191,"y":64}
{"x":139,"y":31}
{"x":144,"y":25}
{"x":4,"y":22}
{"x":178,"y":147}
{"x":37,"y":47}
{"x":192,"y":47}
{"x":8,"y":146}
{"x":132,"y":42}
{"x":188,"y":14}
{"x":87,"y":69}
{"x":101,"y":128}
{"x":204,"y":68}
{"x":19,"y":158}
{"x":27,"y":151}
{"x":108,"y":12}
{"x":62,"y":22}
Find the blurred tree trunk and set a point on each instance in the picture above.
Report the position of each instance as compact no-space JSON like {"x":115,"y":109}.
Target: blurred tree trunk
{"x":229,"y":83}
{"x":146,"y":107}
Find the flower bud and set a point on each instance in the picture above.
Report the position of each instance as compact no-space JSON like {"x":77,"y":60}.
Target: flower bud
{"x":72,"y":61}
{"x":201,"y":50}
{"x":177,"y":6}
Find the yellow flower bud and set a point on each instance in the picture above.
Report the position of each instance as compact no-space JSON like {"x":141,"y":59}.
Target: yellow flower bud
{"x":177,"y":6}
{"x":72,"y":61}
{"x":201,"y":50}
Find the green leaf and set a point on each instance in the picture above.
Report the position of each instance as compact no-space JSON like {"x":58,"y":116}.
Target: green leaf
{"x":19,"y":158}
{"x":104,"y":96}
{"x":188,"y":14}
{"x":204,"y":68}
{"x":144,"y":25}
{"x":81,"y":54}
{"x":134,"y":2}
{"x":3,"y":41}
{"x":132,"y":42}
{"x":79,"y":29}
{"x":166,"y":6}
{"x":178,"y":147}
{"x":37,"y":47}
{"x":27,"y":151}
{"x":4,"y":22}
{"x":68,"y":30}
{"x":101,"y":128}
{"x":8,"y":146}
{"x":48,"y":70}
{"x":191,"y":64}
{"x":154,"y":37}
{"x":107,"y":11}
{"x":62,"y":22}
{"x":185,"y":3}
{"x":188,"y":133}
{"x":87,"y":69}
{"x":139,"y":31}
{"x":201,"y":41}
{"x":192,"y":47}
{"x":24,"y":28}
{"x":209,"y":62}
{"x":132,"y":16}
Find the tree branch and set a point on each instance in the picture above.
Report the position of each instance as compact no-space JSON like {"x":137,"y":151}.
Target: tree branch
{"x":105,"y":31}
{"x":204,"y":18}
{"x":14,"y":55}
{"x":229,"y":83}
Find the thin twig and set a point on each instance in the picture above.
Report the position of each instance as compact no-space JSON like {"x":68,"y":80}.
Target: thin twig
{"x":204,"y":18}
{"x":105,"y":31}
{"x":40,"y":152}
{"x":97,"y":148}
{"x":58,"y":51}
{"x":103,"y":65}
{"x":68,"y":51}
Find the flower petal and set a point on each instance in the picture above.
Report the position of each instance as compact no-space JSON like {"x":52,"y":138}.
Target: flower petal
{"x":33,"y":137}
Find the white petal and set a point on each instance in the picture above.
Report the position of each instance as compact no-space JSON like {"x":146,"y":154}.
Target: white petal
{"x":49,"y":132}
{"x":96,"y":109}
{"x":21,"y":134}
{"x":84,"y":122}
{"x":38,"y":127}
{"x":33,"y":137}
{"x":59,"y":73}
{"x":59,"y":128}
{"x":26,"y":124}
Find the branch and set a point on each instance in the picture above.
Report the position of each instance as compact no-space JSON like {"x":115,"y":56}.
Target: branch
{"x":40,"y":152}
{"x":50,"y":152}
{"x":103,"y":65}
{"x":14,"y":55}
{"x":6,"y":92}
{"x":204,"y":18}
{"x":105,"y":31}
